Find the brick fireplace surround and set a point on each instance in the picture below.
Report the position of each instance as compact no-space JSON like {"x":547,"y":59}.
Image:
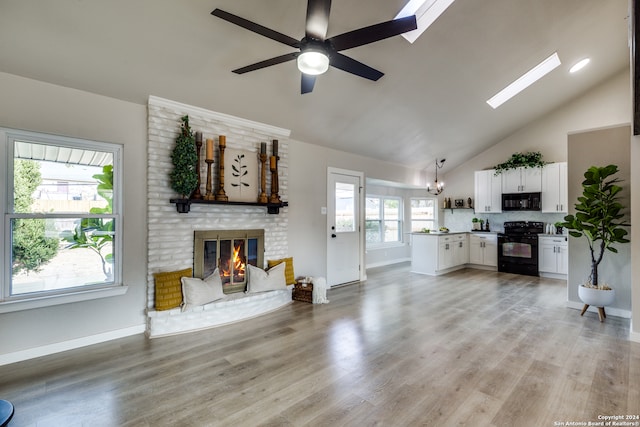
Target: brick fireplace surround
{"x":170,"y":234}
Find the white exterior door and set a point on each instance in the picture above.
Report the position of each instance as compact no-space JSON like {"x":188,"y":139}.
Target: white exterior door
{"x":344,"y":238}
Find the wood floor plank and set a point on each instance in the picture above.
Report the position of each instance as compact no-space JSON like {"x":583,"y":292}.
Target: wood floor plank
{"x":468,"y":348}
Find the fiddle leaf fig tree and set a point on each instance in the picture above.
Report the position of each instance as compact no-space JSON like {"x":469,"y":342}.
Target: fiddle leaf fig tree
{"x":184,"y":177}
{"x":599,"y":217}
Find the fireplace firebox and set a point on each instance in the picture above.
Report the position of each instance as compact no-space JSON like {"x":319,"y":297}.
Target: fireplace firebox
{"x":230,"y":251}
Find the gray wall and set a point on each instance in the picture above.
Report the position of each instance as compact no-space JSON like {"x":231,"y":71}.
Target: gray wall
{"x":37,"y":106}
{"x":606,"y":104}
{"x":308,"y":166}
{"x":635,"y":239}
{"x":600,"y":148}
{"x":32,"y":105}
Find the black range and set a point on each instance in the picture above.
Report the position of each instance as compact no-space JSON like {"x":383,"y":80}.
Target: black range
{"x":518,"y":247}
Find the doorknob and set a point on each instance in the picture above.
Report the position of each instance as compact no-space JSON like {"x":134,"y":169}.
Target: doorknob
{"x":333,"y":235}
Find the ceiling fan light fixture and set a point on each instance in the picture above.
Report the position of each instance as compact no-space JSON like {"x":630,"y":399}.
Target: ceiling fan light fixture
{"x":313,"y":62}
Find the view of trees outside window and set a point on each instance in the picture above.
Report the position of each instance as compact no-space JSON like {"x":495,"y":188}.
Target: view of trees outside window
{"x":383,"y":219}
{"x":345,"y":207}
{"x":423,"y":214}
{"x":62,"y":225}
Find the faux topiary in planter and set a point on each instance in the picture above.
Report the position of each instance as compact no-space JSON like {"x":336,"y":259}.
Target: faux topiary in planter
{"x":184,"y":177}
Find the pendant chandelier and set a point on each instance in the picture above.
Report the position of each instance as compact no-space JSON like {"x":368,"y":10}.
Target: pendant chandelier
{"x":439,"y":186}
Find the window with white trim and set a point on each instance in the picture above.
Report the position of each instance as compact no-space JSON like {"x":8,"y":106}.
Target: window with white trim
{"x":383,"y":220}
{"x":61,"y":199}
{"x":423,"y":213}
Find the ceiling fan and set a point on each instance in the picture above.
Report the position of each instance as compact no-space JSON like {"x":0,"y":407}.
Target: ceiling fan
{"x":318,"y":52}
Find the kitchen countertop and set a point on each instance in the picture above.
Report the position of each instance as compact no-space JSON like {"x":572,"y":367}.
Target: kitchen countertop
{"x":438,"y":233}
{"x":483,"y":232}
{"x":441,"y":233}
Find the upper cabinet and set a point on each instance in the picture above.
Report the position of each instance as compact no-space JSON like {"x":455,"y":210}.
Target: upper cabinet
{"x":554,"y":188}
{"x":522,"y":180}
{"x":488,"y":192}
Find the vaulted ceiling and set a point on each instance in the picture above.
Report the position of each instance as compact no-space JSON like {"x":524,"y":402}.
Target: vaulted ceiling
{"x":431,"y":102}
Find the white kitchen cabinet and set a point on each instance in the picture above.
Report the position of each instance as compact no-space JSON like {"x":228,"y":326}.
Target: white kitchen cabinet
{"x":554,"y":188}
{"x":488,"y":192}
{"x":553,"y":255}
{"x":434,"y":254}
{"x":483,"y":249}
{"x":522,"y":180}
{"x":452,"y":251}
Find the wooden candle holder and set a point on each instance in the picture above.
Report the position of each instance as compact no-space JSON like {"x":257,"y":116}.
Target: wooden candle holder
{"x":273,"y":165}
{"x":209,"y":194}
{"x":221,"y":195}
{"x":262,"y":198}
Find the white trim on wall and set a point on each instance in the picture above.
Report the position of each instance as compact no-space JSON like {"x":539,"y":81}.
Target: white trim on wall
{"x":58,"y":347}
{"x":214,"y":115}
{"x":613,"y":311}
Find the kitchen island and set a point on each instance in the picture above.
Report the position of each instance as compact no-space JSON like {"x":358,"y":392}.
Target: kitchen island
{"x":438,"y":253}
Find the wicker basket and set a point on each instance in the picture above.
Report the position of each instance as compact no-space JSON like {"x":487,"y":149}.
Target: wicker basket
{"x":303,"y":292}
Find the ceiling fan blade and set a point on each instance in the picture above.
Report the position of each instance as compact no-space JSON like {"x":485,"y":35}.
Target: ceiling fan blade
{"x":373,"y":33}
{"x":267,"y":63}
{"x":256,"y":28}
{"x":307,"y":83}
{"x":317,"y":18}
{"x":352,"y":66}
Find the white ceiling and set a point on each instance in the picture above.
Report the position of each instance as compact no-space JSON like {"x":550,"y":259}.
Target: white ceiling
{"x":430,"y":103}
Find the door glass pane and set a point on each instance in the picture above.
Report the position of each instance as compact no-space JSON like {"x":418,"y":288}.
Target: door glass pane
{"x":345,"y":207}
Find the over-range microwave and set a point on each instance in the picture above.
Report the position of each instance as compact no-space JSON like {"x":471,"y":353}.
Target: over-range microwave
{"x":521,"y":202}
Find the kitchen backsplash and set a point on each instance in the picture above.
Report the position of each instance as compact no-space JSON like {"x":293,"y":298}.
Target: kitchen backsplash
{"x":460,"y":219}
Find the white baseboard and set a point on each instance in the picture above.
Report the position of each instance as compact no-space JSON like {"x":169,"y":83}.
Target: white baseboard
{"x":618,"y":312}
{"x":46,"y":350}
{"x":388,"y":262}
{"x":553,"y":275}
{"x":481,"y":267}
{"x":633,"y":336}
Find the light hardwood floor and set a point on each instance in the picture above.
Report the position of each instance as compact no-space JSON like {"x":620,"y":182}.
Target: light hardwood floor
{"x":469,"y":348}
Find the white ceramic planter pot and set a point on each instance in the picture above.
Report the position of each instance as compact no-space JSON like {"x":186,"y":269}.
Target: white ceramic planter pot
{"x":596,"y":297}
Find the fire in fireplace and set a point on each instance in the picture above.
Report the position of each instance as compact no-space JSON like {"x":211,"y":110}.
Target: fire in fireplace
{"x":230,"y":251}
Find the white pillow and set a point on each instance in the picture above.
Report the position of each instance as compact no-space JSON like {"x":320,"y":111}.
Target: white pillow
{"x":262,"y":281}
{"x":200,"y":292}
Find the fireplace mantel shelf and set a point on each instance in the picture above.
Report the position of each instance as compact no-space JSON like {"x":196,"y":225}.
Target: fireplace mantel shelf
{"x":184,"y":205}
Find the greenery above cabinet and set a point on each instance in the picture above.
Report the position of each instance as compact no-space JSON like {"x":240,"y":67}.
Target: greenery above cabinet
{"x":531,"y":159}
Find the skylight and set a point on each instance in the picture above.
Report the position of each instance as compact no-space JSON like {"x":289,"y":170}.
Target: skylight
{"x":426,"y":12}
{"x":526,"y":80}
